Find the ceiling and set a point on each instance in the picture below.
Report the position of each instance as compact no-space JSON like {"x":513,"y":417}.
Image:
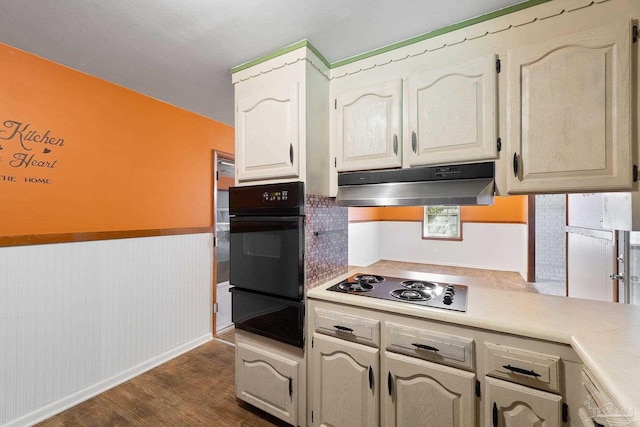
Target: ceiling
{"x":180,"y":51}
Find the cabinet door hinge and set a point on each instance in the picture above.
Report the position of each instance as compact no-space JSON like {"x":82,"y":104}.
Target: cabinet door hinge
{"x":478,"y":390}
{"x":634,"y":35}
{"x":498,"y":66}
{"x":215,"y":307}
{"x":635,"y":173}
{"x":499,"y":145}
{"x":565,"y":413}
{"x":335,"y":104}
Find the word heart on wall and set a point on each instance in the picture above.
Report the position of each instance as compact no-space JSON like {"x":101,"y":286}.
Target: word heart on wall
{"x":27,"y":155}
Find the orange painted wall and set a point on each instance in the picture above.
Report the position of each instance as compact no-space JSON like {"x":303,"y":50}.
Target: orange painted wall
{"x":127,"y":161}
{"x":512,"y":209}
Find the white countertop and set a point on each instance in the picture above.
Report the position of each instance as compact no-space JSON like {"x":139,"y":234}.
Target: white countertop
{"x":606,"y":336}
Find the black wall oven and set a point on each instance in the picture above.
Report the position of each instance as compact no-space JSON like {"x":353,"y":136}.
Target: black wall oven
{"x":267,"y":260}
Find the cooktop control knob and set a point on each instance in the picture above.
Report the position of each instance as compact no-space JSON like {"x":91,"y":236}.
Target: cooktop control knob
{"x":447,"y":299}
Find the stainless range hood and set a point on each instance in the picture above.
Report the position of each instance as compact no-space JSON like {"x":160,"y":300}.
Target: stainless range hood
{"x":464,"y":185}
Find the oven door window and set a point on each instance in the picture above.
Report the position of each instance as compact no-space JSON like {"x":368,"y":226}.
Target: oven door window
{"x":267,"y":255}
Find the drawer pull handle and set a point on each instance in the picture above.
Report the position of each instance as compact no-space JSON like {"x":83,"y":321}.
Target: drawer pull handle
{"x":390,"y":383}
{"x":343,"y":328}
{"x":521,"y":371}
{"x":370,"y":377}
{"x":424,"y":346}
{"x":290,"y":387}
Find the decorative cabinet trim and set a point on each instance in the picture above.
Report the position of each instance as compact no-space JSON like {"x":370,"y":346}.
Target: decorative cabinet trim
{"x":475,"y":31}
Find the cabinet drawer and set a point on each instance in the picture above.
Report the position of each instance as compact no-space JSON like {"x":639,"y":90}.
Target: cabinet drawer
{"x":524,"y":367}
{"x":430,"y":345}
{"x":347,"y":326}
{"x":599,"y":407}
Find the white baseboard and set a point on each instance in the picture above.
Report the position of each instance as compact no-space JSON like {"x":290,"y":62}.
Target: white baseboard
{"x":69,"y":401}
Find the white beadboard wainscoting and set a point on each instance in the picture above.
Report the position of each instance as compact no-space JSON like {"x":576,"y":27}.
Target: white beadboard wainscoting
{"x":484,"y":245}
{"x":79,"y":318}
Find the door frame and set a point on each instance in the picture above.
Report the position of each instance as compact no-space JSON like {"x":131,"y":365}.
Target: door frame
{"x":215,"y":156}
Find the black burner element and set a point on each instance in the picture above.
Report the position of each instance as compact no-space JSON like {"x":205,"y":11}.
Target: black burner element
{"x":355,"y":286}
{"x":418,"y":284}
{"x":411,"y":295}
{"x":368,"y":278}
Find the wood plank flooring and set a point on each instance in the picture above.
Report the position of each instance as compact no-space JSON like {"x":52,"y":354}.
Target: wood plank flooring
{"x":195,"y":389}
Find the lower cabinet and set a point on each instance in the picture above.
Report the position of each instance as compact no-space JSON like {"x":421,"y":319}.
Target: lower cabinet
{"x":421,"y":393}
{"x":508,"y":404}
{"x":344,"y":383}
{"x":268,"y":376}
{"x":375,"y":368}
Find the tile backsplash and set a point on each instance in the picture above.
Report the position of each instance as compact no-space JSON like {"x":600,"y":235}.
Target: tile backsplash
{"x":326,"y":240}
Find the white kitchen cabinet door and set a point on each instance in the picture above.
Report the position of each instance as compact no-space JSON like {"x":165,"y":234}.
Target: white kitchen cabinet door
{"x":452,"y":114}
{"x":568,"y":110}
{"x":369,"y":127}
{"x":267,"y":134}
{"x":267,"y":380}
{"x":344,"y":383}
{"x":512,"y":405}
{"x":417,"y":392}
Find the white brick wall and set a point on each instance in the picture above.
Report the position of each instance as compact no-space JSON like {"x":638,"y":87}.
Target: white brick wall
{"x":550,"y":237}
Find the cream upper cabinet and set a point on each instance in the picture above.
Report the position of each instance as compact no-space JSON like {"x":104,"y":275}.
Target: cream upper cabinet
{"x":508,"y":404}
{"x":344,"y":385}
{"x":282,"y":121}
{"x":452,"y":114}
{"x":368,"y":127}
{"x":268,"y":133}
{"x":569,"y":114}
{"x":417,"y":391}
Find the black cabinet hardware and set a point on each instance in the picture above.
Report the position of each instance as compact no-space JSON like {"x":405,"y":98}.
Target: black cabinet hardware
{"x":414,"y":142}
{"x":370,"y":377}
{"x":343,"y":328}
{"x":494,"y":416}
{"x":499,"y":145}
{"x":395,"y":144}
{"x":521,"y":371}
{"x":478,"y":391}
{"x":291,"y":153}
{"x":515,"y":164}
{"x":635,"y":173}
{"x":498,"y":66}
{"x":390,"y":383}
{"x":290,"y":387}
{"x":565,"y":413}
{"x":424,"y":347}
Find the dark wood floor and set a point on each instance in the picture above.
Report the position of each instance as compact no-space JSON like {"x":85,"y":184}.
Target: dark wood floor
{"x":195,"y":389}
